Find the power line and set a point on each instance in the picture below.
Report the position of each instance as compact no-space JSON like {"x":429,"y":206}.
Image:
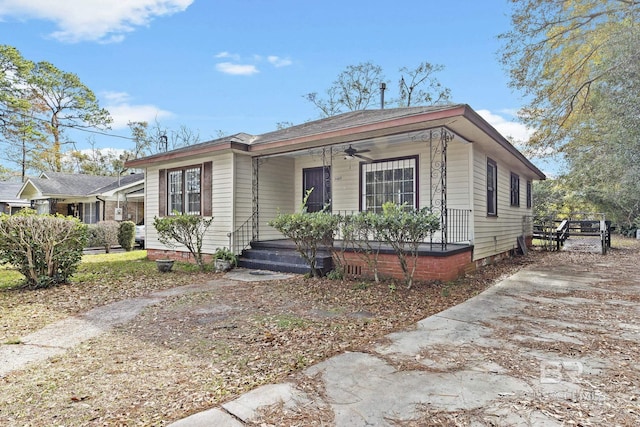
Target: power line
{"x":82,"y":129}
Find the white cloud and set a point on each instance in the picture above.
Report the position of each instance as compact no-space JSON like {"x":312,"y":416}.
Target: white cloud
{"x":123,"y":112}
{"x":250,"y":67}
{"x":507,"y":127}
{"x":116,"y":97}
{"x":278,"y":62}
{"x":92,"y":20}
{"x":226,"y":54}
{"x":237,"y":69}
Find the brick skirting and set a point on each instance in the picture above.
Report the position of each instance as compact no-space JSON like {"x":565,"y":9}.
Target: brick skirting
{"x":428,"y":267}
{"x":154,"y":254}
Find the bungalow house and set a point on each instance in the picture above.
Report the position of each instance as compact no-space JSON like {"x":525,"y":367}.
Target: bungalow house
{"x":444,"y":157}
{"x":10,"y":203}
{"x":88,"y":197}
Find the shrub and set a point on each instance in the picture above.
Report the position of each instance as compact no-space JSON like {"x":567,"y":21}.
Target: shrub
{"x":106,"y":234}
{"x":187,"y":230}
{"x":46,"y":249}
{"x":405,"y":229}
{"x":127,"y":235}
{"x":309,"y":231}
{"x":93,"y":236}
{"x":361,"y":232}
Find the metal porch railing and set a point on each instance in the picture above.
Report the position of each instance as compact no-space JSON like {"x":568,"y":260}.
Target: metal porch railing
{"x":242,"y":237}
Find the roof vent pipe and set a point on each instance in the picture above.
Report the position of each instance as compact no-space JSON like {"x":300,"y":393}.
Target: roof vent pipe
{"x":383,"y":87}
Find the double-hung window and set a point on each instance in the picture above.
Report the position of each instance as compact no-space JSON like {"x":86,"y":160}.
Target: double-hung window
{"x":393,"y":180}
{"x":492,"y":188}
{"x":184,"y":191}
{"x":515,"y":190}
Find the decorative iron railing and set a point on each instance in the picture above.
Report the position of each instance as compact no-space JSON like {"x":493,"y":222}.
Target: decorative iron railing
{"x":458,"y":229}
{"x":458,"y":226}
{"x":242,"y":237}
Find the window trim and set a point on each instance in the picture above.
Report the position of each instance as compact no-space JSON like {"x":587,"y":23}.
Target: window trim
{"x":416,"y":178}
{"x":514,"y":186}
{"x":494,"y":187}
{"x":529,"y":194}
{"x":205,"y":170}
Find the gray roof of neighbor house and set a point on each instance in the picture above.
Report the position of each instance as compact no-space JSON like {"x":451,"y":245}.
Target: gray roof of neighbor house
{"x":9,"y":192}
{"x":124,"y":181}
{"x":67,"y":184}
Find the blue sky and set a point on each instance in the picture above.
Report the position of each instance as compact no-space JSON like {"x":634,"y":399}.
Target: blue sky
{"x":244,"y":65}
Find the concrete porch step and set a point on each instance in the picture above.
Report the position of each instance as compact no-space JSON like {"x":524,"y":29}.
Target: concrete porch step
{"x":280,"y":256}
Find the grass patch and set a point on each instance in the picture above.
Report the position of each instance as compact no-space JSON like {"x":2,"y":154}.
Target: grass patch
{"x":9,"y":278}
{"x":114,"y":266}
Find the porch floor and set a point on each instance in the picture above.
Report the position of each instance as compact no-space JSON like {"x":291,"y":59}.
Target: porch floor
{"x":434,"y":261}
{"x":428,"y":249}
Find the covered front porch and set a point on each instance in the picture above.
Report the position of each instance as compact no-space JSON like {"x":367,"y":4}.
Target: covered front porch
{"x":424,"y":168}
{"x":435,"y":262}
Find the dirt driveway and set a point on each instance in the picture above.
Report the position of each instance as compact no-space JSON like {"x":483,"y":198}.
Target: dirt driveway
{"x":572,"y":348}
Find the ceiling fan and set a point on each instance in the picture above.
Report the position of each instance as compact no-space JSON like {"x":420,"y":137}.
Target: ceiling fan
{"x":351,"y":153}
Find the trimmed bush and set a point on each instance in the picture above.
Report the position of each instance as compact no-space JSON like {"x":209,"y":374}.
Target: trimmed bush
{"x":127,"y":235}
{"x":46,"y":249}
{"x":106,"y":234}
{"x":187,"y":230}
{"x":309,"y":231}
{"x":405,"y":229}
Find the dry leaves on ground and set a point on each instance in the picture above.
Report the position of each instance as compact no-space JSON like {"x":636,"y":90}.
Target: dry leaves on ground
{"x":192,"y":352}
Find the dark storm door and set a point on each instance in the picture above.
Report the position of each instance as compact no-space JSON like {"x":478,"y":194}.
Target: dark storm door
{"x":320,"y":180}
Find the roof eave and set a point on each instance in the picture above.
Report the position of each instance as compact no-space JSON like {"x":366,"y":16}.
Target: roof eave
{"x":165,"y":157}
{"x":381,"y":128}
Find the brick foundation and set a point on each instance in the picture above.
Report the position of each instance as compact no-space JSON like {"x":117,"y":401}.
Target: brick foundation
{"x":429,"y":267}
{"x":154,"y":254}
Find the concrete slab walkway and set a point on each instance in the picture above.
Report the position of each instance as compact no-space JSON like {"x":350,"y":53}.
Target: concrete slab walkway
{"x":508,"y":356}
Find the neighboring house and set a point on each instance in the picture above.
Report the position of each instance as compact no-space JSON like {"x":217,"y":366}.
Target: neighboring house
{"x":88,"y":197}
{"x":445,"y":157}
{"x":10,"y":203}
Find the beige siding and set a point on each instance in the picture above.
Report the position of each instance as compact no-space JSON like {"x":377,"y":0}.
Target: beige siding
{"x":458,"y":175}
{"x":243,"y":189}
{"x":276,"y":183}
{"x":222,"y":201}
{"x":494,"y":235}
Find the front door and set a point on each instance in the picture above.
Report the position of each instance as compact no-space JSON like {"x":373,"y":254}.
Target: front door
{"x":318,"y":179}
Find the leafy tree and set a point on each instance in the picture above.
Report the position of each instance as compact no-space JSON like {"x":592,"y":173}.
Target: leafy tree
{"x":358,"y":88}
{"x":355,"y":88}
{"x":413,"y":91}
{"x":556,"y":199}
{"x":38,"y":99}
{"x":558,"y":52}
{"x":578,"y":64}
{"x":69,"y":104}
{"x":186,"y":230}
{"x":25,"y":136}
{"x":46,"y":249}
